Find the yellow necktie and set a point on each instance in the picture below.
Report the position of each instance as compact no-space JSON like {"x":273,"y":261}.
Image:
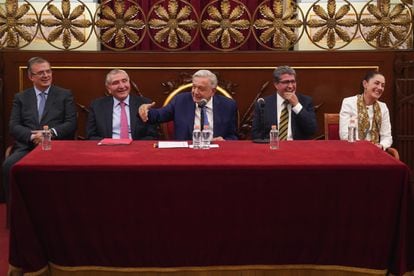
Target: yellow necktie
{"x":283,"y":122}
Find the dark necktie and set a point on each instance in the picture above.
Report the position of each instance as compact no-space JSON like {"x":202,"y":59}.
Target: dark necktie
{"x":284,"y":122}
{"x":204,"y":118}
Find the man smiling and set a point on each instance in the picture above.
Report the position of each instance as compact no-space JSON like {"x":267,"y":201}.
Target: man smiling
{"x":116,"y":117}
{"x":43,"y":104}
{"x":185,"y":110}
{"x":294,"y":113}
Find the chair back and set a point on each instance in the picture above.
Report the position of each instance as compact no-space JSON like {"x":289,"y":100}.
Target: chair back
{"x":331,"y":122}
{"x":168,"y":128}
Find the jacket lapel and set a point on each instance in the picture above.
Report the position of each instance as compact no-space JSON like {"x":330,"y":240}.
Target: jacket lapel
{"x":133,"y":111}
{"x":271,"y":110}
{"x":216,"y":116}
{"x":191,"y":115}
{"x":108,"y":109}
{"x":31,"y":98}
{"x":51,"y":96}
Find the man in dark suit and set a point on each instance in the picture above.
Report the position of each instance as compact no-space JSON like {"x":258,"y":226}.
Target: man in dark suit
{"x":43,"y":104}
{"x":220,"y":112}
{"x":300,"y":122}
{"x":105,"y":116}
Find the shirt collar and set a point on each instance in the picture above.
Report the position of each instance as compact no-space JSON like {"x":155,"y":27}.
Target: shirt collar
{"x":38,"y":91}
{"x":116,"y":101}
{"x":279,"y":100}
{"x":210,"y":103}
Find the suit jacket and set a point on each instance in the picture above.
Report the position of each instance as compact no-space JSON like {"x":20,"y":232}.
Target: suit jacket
{"x":59,"y":113}
{"x":99,"y":123}
{"x":303,"y":124}
{"x":181,"y":110}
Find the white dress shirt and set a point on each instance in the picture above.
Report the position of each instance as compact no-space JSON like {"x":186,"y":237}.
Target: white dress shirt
{"x":280,"y":105}
{"x":209,"y":112}
{"x":37,"y":91}
{"x":349,"y":109}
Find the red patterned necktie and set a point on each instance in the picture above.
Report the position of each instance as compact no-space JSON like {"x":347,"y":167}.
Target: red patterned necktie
{"x":124,"y":122}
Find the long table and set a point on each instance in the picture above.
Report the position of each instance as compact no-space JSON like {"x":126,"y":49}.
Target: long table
{"x":310,"y":204}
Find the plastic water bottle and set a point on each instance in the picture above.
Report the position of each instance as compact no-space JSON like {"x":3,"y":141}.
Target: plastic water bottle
{"x":46,"y":138}
{"x":196,"y":138}
{"x":206,"y":136}
{"x":352,"y":130}
{"x":274,"y":138}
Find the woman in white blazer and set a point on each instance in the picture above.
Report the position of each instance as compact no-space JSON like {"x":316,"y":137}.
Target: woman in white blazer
{"x":371,"y":115}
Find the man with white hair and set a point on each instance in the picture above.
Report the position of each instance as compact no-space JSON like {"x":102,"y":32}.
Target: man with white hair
{"x":116,"y":117}
{"x":187,"y":109}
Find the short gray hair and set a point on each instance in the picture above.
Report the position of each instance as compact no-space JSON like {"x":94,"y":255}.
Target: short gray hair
{"x":114,"y":72}
{"x":281,"y":70}
{"x":207,"y":74}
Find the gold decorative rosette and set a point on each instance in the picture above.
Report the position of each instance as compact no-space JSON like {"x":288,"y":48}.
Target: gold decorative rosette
{"x":67,"y":25}
{"x":385,"y":26}
{"x":278,"y":24}
{"x":15,"y":23}
{"x":334,"y":27}
{"x":121,"y":23}
{"x":225,"y":25}
{"x":173,"y":24}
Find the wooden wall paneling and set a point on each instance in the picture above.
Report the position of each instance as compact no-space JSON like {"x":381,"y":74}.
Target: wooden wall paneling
{"x":326,"y":76}
{"x":2,"y":122}
{"x":404,"y":123}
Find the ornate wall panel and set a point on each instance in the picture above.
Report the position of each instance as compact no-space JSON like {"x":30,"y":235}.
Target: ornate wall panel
{"x":221,"y":25}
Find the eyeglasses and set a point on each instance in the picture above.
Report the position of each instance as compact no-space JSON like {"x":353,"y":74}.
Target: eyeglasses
{"x":287,"y":82}
{"x":42,"y":73}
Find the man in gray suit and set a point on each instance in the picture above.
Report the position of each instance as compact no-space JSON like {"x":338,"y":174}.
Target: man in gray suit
{"x":33,"y":108}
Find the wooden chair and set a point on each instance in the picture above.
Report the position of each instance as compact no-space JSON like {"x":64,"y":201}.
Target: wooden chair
{"x":168,"y":128}
{"x":331,"y":123}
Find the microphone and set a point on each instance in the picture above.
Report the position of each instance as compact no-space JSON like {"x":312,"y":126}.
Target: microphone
{"x":261,"y":104}
{"x":201,"y":104}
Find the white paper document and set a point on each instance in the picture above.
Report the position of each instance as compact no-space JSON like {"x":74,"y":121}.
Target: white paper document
{"x":172,"y":144}
{"x":211,"y":146}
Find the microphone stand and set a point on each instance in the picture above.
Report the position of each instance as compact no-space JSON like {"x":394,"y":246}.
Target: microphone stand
{"x":202,"y":105}
{"x":261,"y":140}
{"x":201,"y":118}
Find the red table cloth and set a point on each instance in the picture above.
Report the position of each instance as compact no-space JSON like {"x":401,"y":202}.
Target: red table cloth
{"x":310,"y":202}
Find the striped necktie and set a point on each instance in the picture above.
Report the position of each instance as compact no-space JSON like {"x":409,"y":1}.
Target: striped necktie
{"x":284,"y":122}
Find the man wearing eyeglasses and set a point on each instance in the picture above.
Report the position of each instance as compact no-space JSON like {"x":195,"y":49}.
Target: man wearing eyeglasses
{"x":292,"y":112}
{"x":43,"y":104}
